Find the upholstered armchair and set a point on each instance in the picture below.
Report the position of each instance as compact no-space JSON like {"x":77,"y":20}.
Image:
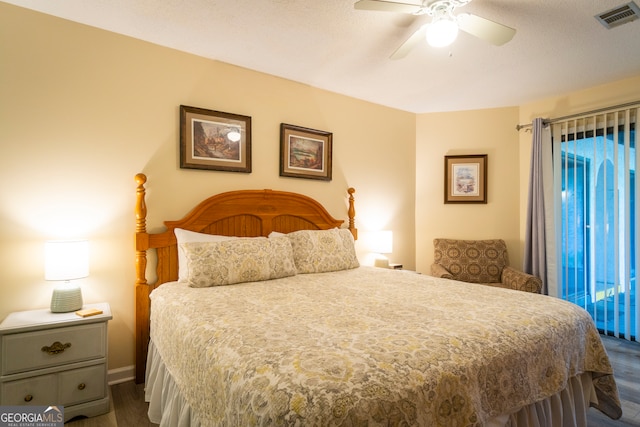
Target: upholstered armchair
{"x":480,"y":261}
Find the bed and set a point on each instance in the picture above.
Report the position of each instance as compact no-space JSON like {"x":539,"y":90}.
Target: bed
{"x":280,"y":325}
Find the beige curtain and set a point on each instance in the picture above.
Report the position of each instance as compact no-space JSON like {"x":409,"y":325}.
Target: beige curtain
{"x":535,"y":250}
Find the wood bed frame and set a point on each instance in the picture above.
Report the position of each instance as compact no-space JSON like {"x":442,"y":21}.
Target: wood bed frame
{"x":243,"y":213}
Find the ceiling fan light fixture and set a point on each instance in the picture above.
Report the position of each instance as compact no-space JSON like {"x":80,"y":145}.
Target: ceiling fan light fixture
{"x":442,"y":32}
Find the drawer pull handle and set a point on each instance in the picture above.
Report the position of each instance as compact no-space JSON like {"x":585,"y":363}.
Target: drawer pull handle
{"x":81,"y":386}
{"x":28,"y":398}
{"x":56,"y":348}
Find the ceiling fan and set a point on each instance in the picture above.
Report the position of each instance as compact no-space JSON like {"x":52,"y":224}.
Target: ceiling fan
{"x":443,"y":29}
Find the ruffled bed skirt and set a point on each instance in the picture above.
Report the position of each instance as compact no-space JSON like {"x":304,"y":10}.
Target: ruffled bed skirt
{"x":168,"y":408}
{"x":567,"y":408}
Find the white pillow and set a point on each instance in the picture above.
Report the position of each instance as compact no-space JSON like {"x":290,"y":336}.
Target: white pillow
{"x":237,"y":261}
{"x":318,"y":251}
{"x":186,"y":236}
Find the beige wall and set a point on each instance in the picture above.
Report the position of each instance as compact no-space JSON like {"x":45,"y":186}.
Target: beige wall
{"x":83,"y":110}
{"x":490,"y":132}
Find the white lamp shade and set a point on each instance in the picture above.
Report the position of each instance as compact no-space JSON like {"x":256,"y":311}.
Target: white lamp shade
{"x":66,"y":259}
{"x":381,"y":242}
{"x":442,"y":32}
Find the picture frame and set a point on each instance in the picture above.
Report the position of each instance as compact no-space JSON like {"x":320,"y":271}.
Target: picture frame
{"x":305,"y":153}
{"x":214,"y":140}
{"x":465,"y":179}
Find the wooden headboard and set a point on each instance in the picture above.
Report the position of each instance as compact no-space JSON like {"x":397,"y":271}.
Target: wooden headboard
{"x":243,"y":213}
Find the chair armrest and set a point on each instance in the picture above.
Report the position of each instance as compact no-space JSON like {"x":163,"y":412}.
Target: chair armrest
{"x":439,"y":271}
{"x":521,"y":281}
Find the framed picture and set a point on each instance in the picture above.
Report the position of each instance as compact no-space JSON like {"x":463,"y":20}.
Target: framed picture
{"x":465,"y":179}
{"x":214,"y":140}
{"x":305,"y":153}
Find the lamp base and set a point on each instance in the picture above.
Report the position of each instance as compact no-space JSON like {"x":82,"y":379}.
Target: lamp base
{"x":66,"y":298}
{"x":382,"y":262}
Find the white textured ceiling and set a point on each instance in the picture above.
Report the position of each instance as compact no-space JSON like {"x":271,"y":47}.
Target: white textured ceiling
{"x":559,"y":46}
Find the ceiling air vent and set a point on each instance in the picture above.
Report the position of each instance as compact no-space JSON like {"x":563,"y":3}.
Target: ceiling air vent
{"x":620,"y":15}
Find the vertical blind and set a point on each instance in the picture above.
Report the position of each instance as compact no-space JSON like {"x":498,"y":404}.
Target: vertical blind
{"x":595,"y":187}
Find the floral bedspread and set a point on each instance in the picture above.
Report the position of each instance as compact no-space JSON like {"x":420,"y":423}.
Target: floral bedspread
{"x":371,"y":347}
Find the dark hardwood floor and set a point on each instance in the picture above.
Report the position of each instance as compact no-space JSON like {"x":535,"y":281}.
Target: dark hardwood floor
{"x":625,"y":358}
{"x":128,"y":407}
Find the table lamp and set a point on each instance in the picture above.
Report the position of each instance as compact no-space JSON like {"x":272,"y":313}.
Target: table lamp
{"x":381,"y":243}
{"x":66,"y":260}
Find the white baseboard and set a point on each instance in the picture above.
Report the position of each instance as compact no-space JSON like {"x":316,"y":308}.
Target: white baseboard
{"x":120,"y":375}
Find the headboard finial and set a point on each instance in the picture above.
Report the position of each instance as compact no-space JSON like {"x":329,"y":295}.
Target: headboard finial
{"x":141,"y":178}
{"x":352,"y":213}
{"x":141,"y":229}
{"x":141,"y":206}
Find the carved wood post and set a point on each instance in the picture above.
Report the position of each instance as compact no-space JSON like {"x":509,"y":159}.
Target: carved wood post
{"x":142,"y":288}
{"x":141,"y":227}
{"x":352,"y":213}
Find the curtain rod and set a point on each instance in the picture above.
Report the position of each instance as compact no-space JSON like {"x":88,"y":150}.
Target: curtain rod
{"x":547,"y":122}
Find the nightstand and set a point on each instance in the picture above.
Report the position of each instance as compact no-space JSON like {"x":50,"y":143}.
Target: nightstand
{"x":55,"y":359}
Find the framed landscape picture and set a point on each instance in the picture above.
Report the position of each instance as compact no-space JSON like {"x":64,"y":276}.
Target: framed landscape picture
{"x":305,"y":153}
{"x":214,"y":140}
{"x":465,"y":179}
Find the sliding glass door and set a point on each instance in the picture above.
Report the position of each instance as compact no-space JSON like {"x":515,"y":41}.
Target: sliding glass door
{"x":599,"y":234}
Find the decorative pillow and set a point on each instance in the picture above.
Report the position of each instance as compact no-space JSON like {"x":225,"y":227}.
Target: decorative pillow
{"x":317,"y":251}
{"x":239,"y":260}
{"x":186,"y":236}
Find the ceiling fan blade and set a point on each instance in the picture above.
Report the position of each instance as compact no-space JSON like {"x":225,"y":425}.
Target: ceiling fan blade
{"x":417,"y":37}
{"x":387,"y":6}
{"x":485,"y":29}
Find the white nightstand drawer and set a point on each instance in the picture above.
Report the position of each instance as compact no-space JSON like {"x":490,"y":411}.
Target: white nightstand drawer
{"x":38,"y":391}
{"x":82,"y":385}
{"x":54,"y":347}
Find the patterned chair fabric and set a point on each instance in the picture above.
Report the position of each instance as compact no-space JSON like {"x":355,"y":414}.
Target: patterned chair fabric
{"x":480,"y":261}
